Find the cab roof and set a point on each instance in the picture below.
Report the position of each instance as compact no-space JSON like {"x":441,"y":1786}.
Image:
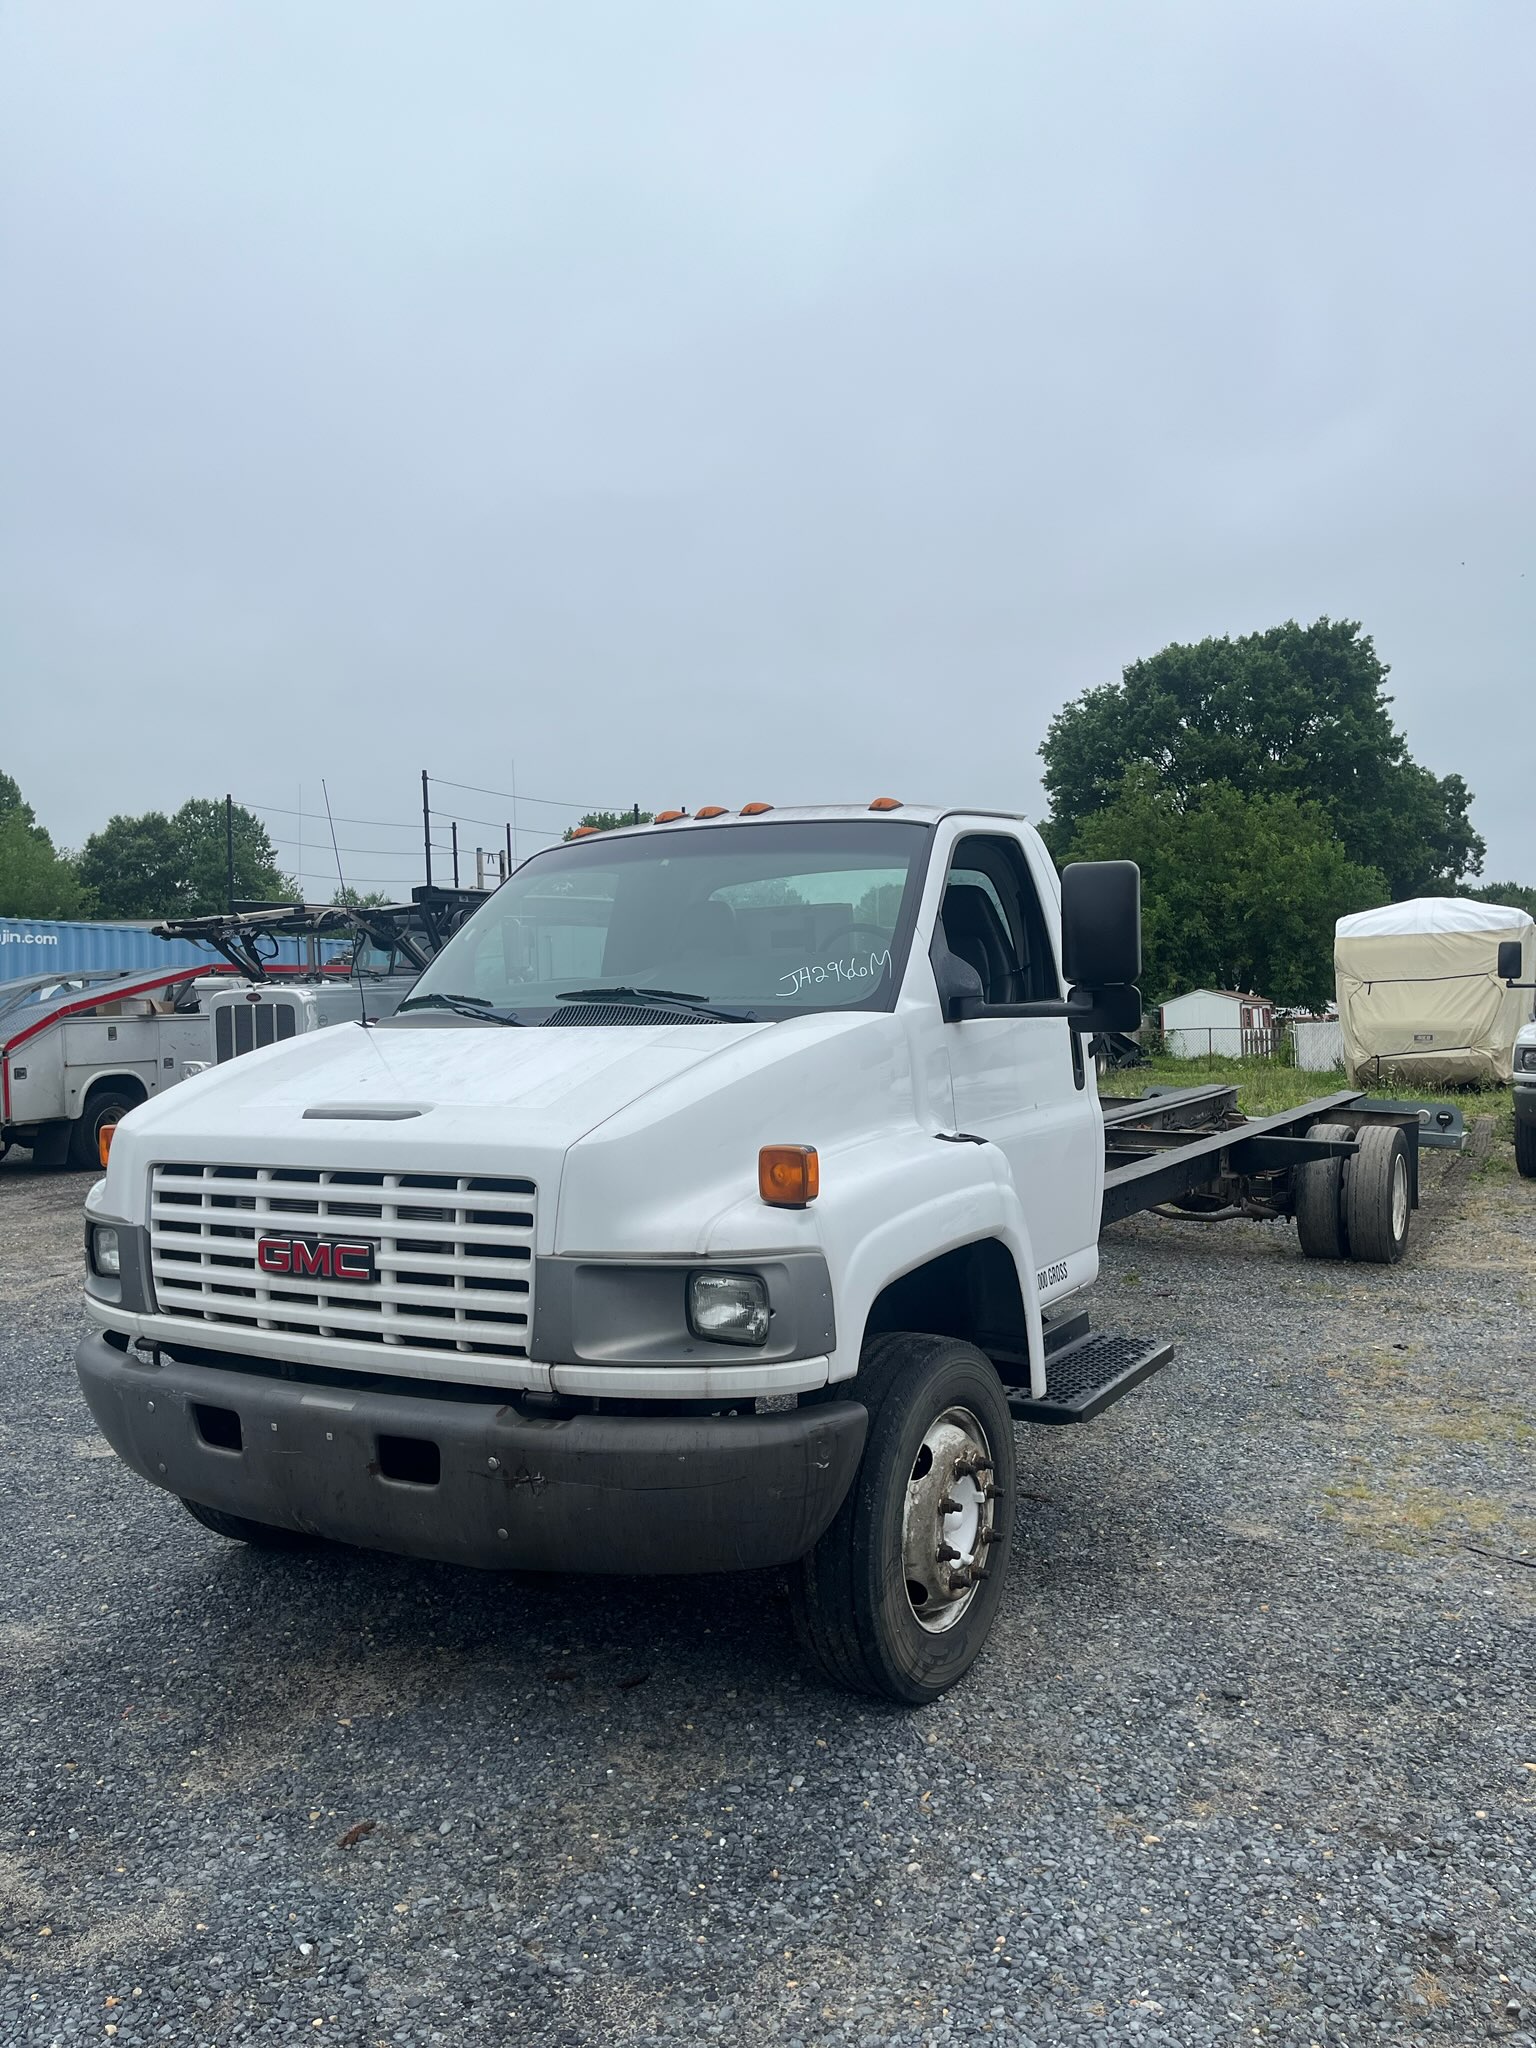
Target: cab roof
{"x":771,"y":814}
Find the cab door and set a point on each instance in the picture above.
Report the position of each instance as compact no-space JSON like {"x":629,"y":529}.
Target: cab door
{"x":1023,"y":1083}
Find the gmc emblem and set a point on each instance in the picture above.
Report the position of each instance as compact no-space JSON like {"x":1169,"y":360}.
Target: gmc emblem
{"x":316,"y":1258}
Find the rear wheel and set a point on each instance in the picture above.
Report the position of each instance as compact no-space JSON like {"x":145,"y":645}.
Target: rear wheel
{"x":260,"y":1535}
{"x":1525,"y":1149}
{"x":103,"y":1108}
{"x":900,"y":1594}
{"x":1319,"y":1200}
{"x":1377,"y":1196}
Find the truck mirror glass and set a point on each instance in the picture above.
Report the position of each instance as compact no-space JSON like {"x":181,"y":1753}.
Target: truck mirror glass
{"x":1511,"y":959}
{"x":1101,"y":923}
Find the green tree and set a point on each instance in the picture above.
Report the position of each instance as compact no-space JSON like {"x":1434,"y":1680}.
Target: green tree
{"x":361,"y":899}
{"x":1513,"y":894}
{"x":36,"y":879}
{"x":154,"y":866}
{"x":610,"y":821}
{"x":1297,"y":711}
{"x":1238,"y":891}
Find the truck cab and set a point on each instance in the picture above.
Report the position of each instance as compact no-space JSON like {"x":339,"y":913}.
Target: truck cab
{"x":715,"y":1200}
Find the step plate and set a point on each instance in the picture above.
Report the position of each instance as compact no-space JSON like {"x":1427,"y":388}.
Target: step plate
{"x":1088,"y":1375}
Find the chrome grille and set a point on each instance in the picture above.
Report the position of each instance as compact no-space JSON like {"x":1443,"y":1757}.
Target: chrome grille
{"x":453,"y":1253}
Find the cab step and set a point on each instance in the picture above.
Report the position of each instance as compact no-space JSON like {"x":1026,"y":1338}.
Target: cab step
{"x":1087,"y":1375}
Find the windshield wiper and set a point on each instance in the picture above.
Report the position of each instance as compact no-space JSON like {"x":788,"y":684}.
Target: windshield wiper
{"x":649,"y":998}
{"x":478,"y":1007}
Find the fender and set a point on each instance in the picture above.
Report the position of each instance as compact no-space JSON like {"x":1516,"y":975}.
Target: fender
{"x":977,"y":1202}
{"x":102,"y":1075}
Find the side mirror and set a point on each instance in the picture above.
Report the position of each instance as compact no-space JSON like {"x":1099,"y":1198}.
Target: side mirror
{"x":1101,"y":924}
{"x":1511,"y":959}
{"x":958,"y":982}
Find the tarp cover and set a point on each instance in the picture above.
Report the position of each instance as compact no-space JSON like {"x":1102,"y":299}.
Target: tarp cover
{"x":1420,"y":995}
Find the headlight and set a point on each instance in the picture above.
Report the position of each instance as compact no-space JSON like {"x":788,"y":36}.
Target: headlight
{"x":1528,"y":1057}
{"x":728,"y":1308}
{"x":106,"y":1256}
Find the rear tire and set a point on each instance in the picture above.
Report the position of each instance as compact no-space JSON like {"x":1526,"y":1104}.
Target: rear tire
{"x":260,"y":1535}
{"x":1377,"y":1196}
{"x":102,"y":1107}
{"x":1525,"y":1149}
{"x":925,"y":1531}
{"x":1319,"y":1201}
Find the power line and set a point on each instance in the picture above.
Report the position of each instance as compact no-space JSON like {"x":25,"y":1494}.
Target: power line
{"x":287,"y":811}
{"x":516,"y":796}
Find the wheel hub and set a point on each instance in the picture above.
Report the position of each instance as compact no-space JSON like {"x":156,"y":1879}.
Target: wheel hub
{"x":950,"y":1519}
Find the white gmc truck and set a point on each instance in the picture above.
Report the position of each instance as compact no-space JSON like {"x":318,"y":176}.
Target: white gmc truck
{"x":713,"y":1202}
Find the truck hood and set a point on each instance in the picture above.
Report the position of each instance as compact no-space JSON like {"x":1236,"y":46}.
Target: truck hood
{"x":558,"y":1084}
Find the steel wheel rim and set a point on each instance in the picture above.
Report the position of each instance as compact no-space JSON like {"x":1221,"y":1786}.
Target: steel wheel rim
{"x":1399,"y":1198}
{"x":949,"y":1520}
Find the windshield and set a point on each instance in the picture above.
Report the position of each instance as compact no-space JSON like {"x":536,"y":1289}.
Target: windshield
{"x":763,"y":920}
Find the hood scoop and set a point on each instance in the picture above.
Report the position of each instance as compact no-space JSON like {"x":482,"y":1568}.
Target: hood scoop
{"x":365,"y":1112}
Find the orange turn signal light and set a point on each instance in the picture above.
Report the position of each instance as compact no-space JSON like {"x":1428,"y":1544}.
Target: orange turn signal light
{"x":710,"y":811}
{"x":788,"y":1176}
{"x":104,"y":1139}
{"x":886,"y":803}
{"x":755,"y":810}
{"x":669,"y":817}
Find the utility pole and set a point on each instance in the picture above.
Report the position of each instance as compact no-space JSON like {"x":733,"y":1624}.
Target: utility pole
{"x":506,"y":871}
{"x":426,"y":825}
{"x":455,"y":853}
{"x":229,"y":853}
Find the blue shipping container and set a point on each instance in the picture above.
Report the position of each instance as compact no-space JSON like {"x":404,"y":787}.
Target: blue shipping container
{"x":38,"y":946}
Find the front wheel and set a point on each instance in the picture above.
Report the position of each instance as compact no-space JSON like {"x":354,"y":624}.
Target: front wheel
{"x":104,"y":1108}
{"x":900,"y":1594}
{"x":1525,"y":1149}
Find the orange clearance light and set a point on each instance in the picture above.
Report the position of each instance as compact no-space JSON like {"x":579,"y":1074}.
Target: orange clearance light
{"x":788,"y":1176}
{"x":583,"y":831}
{"x":104,"y":1139}
{"x":669,"y":817}
{"x":886,"y":803}
{"x":755,"y":810}
{"x":710,"y":811}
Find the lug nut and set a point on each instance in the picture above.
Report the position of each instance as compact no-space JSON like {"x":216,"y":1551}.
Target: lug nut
{"x":961,"y":1579}
{"x":991,"y":1492}
{"x":990,"y":1536}
{"x":949,"y":1506}
{"x":945,"y":1554}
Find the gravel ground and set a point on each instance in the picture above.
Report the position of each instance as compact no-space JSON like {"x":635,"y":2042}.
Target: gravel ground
{"x":1251,"y":1757}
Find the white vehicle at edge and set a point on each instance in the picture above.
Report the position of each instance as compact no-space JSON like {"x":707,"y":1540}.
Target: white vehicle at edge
{"x":708,"y":1205}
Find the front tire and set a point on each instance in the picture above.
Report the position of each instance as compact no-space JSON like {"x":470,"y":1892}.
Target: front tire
{"x":1525,"y":1149}
{"x":260,"y":1535}
{"x":900,"y":1594}
{"x":105,"y":1106}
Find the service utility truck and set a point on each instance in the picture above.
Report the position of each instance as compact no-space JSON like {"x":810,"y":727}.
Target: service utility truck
{"x":78,"y":1051}
{"x":718,"y":1199}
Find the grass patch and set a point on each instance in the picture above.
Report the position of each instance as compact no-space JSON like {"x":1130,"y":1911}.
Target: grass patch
{"x":1265,"y":1087}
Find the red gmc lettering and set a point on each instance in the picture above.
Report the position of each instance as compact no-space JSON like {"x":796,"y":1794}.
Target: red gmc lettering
{"x":315,"y":1258}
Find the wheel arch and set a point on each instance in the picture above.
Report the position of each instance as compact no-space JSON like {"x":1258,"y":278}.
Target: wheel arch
{"x":119,"y":1081}
{"x":974,"y":1280}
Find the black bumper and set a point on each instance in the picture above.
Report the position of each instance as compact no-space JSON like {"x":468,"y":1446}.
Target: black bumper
{"x":580,"y":1493}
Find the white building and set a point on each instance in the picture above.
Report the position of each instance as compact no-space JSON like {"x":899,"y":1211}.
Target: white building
{"x":1232,"y":1022}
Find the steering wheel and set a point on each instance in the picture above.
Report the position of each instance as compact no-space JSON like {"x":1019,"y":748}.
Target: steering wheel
{"x":876,"y":932}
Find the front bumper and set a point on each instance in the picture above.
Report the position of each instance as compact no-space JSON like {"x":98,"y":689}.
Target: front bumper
{"x":581,"y":1493}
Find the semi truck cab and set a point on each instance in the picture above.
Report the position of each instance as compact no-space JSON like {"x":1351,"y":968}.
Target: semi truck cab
{"x":717,"y":1199}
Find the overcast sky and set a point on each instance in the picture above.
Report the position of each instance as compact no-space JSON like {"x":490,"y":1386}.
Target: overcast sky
{"x":680,"y":403}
